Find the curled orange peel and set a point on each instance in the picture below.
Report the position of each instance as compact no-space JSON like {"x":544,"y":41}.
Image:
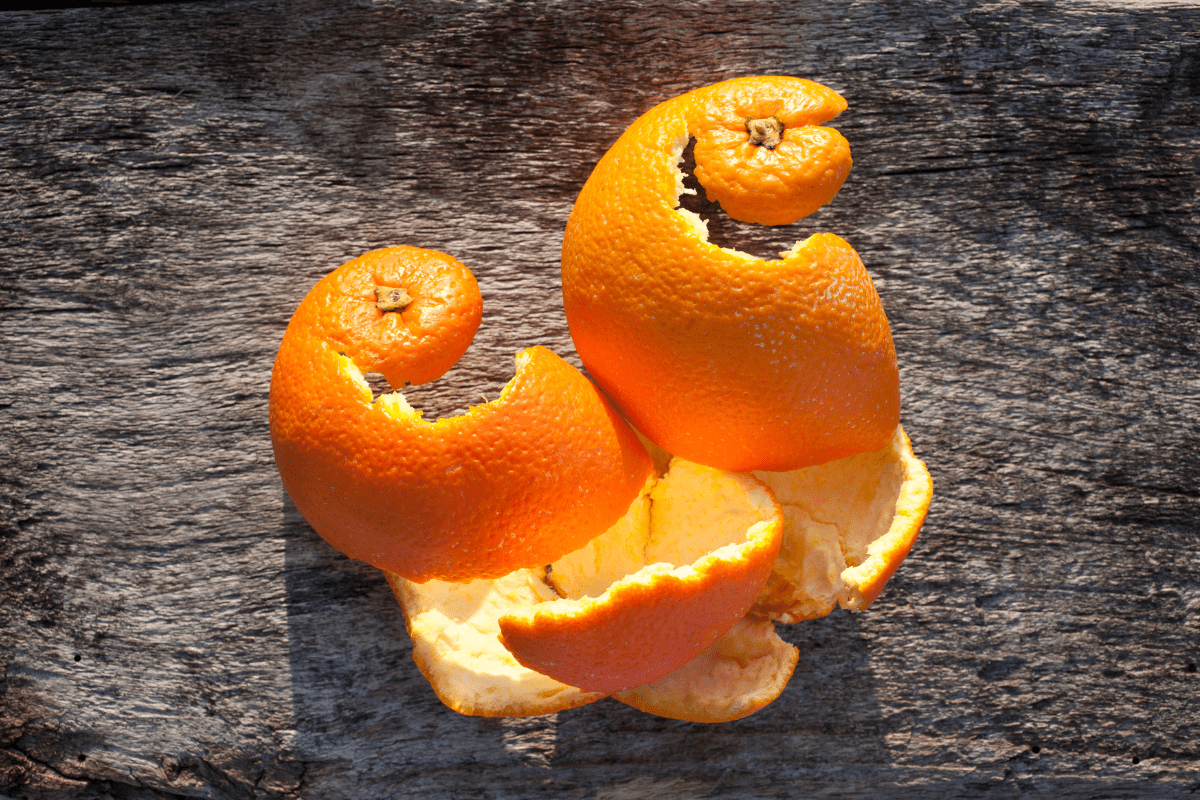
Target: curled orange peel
{"x":848,"y":525}
{"x":455,"y":627}
{"x":761,"y":151}
{"x":513,"y":483}
{"x":873,"y":505}
{"x":717,"y":356}
{"x":656,"y":590}
{"x":661,"y":592}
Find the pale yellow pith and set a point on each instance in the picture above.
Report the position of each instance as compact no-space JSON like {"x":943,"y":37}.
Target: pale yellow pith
{"x":454,"y":630}
{"x":690,"y":517}
{"x":745,"y":670}
{"x":846,"y":524}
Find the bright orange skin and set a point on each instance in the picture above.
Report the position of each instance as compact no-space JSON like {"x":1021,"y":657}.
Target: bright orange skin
{"x":514,"y":483}
{"x":644,"y":630}
{"x":730,"y":361}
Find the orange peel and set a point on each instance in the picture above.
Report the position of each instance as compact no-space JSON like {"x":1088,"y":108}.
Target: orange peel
{"x":742,"y":672}
{"x":513,"y":483}
{"x":847,"y":526}
{"x":656,"y":590}
{"x":717,"y":356}
{"x":454,"y":630}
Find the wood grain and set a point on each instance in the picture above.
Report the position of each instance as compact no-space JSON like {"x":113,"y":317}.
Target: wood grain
{"x":174,"y":178}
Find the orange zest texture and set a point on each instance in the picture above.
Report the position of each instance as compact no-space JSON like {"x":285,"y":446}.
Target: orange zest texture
{"x":513,"y":483}
{"x":717,"y":356}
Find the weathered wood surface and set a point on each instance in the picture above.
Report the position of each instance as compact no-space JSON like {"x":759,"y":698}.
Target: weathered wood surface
{"x":175,"y":177}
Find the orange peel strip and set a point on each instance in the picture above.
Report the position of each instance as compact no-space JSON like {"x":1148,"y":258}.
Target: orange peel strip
{"x":743,"y":671}
{"x":454,"y":630}
{"x":513,"y":483}
{"x":657,"y":589}
{"x":847,"y":526}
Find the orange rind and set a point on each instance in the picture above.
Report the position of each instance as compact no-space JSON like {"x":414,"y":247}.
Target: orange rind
{"x":513,"y":483}
{"x":847,"y":526}
{"x":719,"y":357}
{"x":742,"y":672}
{"x":761,"y":151}
{"x":455,"y":627}
{"x":455,"y":632}
{"x":545,"y":551}
{"x":655,"y":591}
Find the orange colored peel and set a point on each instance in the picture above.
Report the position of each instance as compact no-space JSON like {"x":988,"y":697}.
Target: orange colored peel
{"x":847,"y":526}
{"x":662,"y":591}
{"x":761,"y":153}
{"x":513,"y":483}
{"x":455,"y":627}
{"x":710,"y":539}
{"x":719,"y":357}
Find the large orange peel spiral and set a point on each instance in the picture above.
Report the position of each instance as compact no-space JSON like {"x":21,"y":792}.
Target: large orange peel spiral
{"x":513,"y":483}
{"x":771,"y":483}
{"x":717,"y":356}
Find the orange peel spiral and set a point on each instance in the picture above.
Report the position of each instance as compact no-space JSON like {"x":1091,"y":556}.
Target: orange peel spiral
{"x":513,"y":483}
{"x":717,"y":356}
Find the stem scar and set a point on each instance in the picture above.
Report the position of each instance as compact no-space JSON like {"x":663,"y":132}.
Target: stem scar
{"x":389,"y":299}
{"x":767,"y":132}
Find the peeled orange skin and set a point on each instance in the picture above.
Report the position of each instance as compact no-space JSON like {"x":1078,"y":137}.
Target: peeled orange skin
{"x":454,"y":633}
{"x":606,"y":662}
{"x":651,"y":622}
{"x":719,"y":357}
{"x":739,"y":674}
{"x":513,"y":483}
{"x":848,"y":524}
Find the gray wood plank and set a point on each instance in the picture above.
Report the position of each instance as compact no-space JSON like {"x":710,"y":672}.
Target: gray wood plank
{"x":175,"y":177}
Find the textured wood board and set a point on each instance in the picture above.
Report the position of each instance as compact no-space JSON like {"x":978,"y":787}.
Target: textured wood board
{"x":175,"y":177}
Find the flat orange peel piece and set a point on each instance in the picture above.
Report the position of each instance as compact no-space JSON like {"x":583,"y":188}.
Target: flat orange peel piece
{"x":848,"y":526}
{"x":454,"y":632}
{"x":513,"y":483}
{"x":711,"y":539}
{"x":742,"y":672}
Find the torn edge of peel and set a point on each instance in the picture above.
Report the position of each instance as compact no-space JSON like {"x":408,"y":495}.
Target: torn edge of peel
{"x":396,"y":405}
{"x":867,"y":580}
{"x":697,"y":226}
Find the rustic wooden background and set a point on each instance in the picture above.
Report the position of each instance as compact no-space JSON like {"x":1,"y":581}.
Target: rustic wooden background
{"x":173,"y":178}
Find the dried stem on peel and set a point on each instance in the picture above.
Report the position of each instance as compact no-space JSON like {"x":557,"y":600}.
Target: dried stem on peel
{"x":766,"y":132}
{"x":389,"y":299}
